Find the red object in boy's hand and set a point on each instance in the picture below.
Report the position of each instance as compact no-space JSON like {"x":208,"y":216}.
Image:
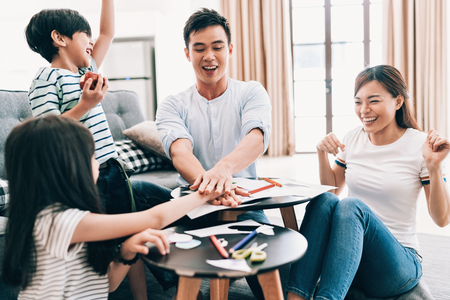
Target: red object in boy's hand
{"x":88,"y":75}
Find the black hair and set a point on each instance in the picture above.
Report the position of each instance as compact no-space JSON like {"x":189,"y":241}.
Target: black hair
{"x":392,"y":80}
{"x":48,"y":163}
{"x":204,"y":18}
{"x":39,"y":29}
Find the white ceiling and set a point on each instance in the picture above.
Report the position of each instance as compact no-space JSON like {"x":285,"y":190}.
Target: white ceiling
{"x":13,"y":10}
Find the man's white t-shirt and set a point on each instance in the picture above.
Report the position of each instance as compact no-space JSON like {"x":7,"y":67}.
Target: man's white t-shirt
{"x":215,"y":127}
{"x":387,"y":178}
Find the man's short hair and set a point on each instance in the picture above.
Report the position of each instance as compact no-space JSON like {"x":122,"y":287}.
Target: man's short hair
{"x":204,"y":18}
{"x":39,"y":29}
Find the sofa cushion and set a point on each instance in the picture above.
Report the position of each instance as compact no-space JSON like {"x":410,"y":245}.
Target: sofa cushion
{"x":122,"y":110}
{"x":140,"y":159}
{"x":15,"y":108}
{"x":146,"y":135}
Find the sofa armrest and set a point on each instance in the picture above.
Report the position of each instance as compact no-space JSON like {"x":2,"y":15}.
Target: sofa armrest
{"x":4,"y":193}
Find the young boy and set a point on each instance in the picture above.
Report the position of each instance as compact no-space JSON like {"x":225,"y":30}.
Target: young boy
{"x":63,"y":38}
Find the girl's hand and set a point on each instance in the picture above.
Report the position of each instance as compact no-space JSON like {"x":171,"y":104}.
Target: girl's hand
{"x":232,"y":199}
{"x":436,"y":148}
{"x":330,"y":144}
{"x":136,"y":243}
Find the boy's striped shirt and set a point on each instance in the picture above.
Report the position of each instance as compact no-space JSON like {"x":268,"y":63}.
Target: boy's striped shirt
{"x":56,"y":91}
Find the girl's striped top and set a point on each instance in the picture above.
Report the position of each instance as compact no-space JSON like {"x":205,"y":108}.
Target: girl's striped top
{"x":62,"y":270}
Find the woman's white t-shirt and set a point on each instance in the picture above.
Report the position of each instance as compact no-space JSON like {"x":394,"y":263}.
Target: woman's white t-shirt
{"x":62,"y":270}
{"x":387,"y":178}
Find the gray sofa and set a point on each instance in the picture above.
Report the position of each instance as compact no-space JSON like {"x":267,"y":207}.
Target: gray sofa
{"x":122,"y":110}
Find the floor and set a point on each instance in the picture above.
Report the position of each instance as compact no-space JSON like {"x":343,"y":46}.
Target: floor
{"x":304,"y":167}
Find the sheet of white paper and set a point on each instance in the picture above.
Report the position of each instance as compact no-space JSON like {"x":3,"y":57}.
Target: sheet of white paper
{"x":222,"y":229}
{"x":249,"y":184}
{"x":290,"y":187}
{"x":207,"y":208}
{"x":309,"y":191}
{"x":265,"y":229}
{"x":284,"y":181}
{"x":231,"y":264}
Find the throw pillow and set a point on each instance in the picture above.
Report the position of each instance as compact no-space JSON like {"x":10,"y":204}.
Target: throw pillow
{"x":140,"y":159}
{"x":145,"y":134}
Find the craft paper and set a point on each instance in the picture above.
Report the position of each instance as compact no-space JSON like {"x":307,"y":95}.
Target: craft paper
{"x":223,"y":229}
{"x":230,"y":264}
{"x":290,"y":187}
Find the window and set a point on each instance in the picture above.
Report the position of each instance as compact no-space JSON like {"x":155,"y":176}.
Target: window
{"x":332,"y":41}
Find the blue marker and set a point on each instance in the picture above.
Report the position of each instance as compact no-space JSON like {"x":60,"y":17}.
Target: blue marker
{"x":244,"y":241}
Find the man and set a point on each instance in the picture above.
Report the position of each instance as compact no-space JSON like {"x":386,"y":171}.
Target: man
{"x":217,"y":128}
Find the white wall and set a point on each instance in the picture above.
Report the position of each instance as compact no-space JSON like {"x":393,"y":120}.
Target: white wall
{"x":163,"y":19}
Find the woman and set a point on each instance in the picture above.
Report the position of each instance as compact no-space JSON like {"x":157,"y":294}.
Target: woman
{"x":369,"y":240}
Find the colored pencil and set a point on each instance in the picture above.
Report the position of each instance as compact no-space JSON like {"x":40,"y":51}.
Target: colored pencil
{"x":244,"y":241}
{"x":262,"y":188}
{"x":218,"y":246}
{"x":273,"y":181}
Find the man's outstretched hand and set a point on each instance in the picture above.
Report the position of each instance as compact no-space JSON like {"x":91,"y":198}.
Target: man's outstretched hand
{"x":218,"y":180}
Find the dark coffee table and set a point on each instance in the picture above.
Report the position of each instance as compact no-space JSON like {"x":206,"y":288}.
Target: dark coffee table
{"x":284,"y":203}
{"x":285,"y":247}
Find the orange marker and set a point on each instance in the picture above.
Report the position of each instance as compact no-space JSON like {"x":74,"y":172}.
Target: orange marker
{"x":262,"y":188}
{"x":218,"y":246}
{"x":273,"y":181}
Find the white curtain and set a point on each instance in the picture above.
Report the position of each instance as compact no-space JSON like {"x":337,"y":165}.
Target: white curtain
{"x":415,"y":42}
{"x":259,"y":34}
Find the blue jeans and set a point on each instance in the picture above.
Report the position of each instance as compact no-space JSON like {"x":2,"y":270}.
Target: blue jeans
{"x":113,"y":189}
{"x":115,"y":194}
{"x":148,"y":195}
{"x":348,"y":245}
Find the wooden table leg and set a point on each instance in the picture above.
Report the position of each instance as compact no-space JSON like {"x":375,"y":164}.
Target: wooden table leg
{"x":271,"y":285}
{"x":289,"y":219}
{"x":218,"y":288}
{"x":188,"y":288}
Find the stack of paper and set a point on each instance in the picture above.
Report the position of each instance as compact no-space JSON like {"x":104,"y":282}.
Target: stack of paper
{"x":290,"y":187}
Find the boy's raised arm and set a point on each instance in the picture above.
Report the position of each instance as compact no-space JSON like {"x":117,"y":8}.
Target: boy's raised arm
{"x":107,"y":30}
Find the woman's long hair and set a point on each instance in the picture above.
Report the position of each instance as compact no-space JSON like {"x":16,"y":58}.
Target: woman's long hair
{"x":48,"y":161}
{"x":392,"y":80}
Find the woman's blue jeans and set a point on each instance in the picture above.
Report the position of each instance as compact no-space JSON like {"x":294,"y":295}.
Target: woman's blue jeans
{"x":348,"y":245}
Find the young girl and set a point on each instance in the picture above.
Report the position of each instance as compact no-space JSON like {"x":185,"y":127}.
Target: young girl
{"x":369,"y":240}
{"x":59,"y":244}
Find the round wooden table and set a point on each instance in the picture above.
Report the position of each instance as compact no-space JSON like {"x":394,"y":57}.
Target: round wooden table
{"x":285,"y":247}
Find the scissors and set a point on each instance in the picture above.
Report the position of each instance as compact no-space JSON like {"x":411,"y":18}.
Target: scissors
{"x":255,"y":252}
